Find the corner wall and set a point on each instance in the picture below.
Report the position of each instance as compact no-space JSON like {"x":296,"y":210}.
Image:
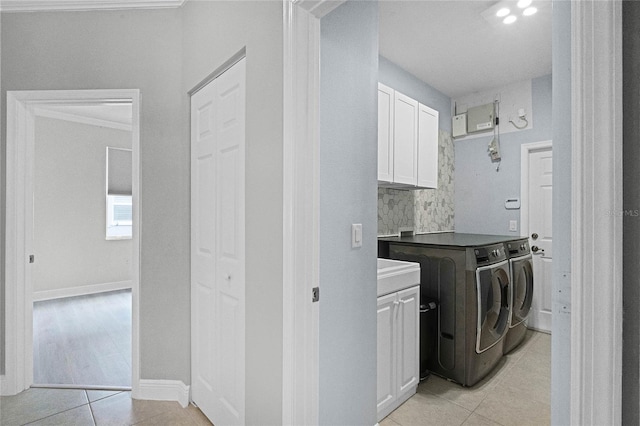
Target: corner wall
{"x":348,"y":185}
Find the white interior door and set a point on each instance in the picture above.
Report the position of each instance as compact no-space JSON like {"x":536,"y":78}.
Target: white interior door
{"x":218,"y":247}
{"x":539,"y":195}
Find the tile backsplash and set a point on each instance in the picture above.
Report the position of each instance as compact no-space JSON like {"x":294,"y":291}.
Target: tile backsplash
{"x":424,"y":210}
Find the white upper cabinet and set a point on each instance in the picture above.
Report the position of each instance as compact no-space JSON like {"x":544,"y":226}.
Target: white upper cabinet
{"x":407,"y":141}
{"x":405,"y":136}
{"x":427,"y":147}
{"x":385,"y":133}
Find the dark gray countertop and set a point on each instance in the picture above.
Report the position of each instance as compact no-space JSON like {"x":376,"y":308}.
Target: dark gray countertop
{"x":453,"y":239}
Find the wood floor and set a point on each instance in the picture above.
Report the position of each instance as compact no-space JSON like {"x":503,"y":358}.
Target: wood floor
{"x":83,"y":341}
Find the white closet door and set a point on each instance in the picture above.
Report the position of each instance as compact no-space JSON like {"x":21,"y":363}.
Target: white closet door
{"x":218,"y":247}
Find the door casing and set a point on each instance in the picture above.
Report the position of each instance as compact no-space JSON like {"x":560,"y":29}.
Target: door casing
{"x":19,"y":231}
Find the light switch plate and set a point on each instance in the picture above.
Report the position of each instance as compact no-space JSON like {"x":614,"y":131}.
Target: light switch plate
{"x":356,"y":235}
{"x":513,"y":225}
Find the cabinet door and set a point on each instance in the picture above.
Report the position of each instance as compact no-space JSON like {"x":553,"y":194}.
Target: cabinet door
{"x":427,"y":147}
{"x":405,"y":140}
{"x":385,"y":133}
{"x":408,"y":328}
{"x":386,"y":394}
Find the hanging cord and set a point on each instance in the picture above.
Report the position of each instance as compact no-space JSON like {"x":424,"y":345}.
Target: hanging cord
{"x":523,"y":118}
{"x":496,"y":134}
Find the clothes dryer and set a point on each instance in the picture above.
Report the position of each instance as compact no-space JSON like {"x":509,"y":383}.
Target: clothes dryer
{"x":469,"y":275}
{"x":521,"y":270}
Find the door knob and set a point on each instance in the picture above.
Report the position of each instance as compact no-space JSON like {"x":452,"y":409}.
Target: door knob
{"x":535,"y":249}
{"x":534,"y":236}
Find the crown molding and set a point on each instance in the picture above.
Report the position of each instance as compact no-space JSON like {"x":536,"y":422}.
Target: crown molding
{"x":78,"y":5}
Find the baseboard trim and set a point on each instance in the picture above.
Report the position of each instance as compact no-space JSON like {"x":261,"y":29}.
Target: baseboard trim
{"x":163,"y":390}
{"x":84,"y":290}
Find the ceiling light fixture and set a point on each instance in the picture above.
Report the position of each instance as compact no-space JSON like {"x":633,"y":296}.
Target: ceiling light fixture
{"x":503,"y":12}
{"x":507,"y":12}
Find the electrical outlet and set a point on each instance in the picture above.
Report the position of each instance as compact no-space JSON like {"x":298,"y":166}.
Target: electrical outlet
{"x":513,"y":225}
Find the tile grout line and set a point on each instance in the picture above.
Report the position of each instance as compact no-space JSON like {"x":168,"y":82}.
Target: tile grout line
{"x":59,"y":412}
{"x":93,"y":418}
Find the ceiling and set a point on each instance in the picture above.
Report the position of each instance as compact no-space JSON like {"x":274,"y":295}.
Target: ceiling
{"x":453,"y":48}
{"x":116,"y":115}
{"x":448,"y":44}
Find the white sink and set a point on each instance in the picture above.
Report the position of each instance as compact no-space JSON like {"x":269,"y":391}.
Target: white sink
{"x":395,"y":275}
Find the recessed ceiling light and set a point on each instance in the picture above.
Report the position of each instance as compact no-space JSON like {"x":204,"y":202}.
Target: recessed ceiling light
{"x":529,"y":11}
{"x":524,"y":3}
{"x":510,"y":19}
{"x":503,"y":12}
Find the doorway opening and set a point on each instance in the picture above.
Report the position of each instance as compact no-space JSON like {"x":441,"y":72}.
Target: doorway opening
{"x":68,"y":152}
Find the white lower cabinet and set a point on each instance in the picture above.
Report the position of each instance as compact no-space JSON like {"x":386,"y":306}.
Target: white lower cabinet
{"x":398,"y":348}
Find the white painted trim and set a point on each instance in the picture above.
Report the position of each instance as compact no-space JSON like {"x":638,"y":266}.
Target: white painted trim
{"x":525,"y":151}
{"x":301,"y":195}
{"x":596,"y":197}
{"x":18,"y":291}
{"x":163,"y":390}
{"x":318,"y":8}
{"x":68,"y":5}
{"x":84,"y":290}
{"x":75,"y":118}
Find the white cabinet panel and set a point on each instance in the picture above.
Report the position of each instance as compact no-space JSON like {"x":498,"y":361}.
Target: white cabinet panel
{"x":385,"y":133}
{"x":386,"y":348}
{"x":398,"y":348}
{"x":405,"y":136}
{"x":427,"y":147}
{"x":408,"y":339}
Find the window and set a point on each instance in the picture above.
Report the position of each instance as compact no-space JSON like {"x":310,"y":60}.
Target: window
{"x":119,"y":200}
{"x":119,"y":217}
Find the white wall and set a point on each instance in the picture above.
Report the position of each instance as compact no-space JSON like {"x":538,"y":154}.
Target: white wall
{"x":213,"y":32}
{"x":481,"y":190}
{"x":126,"y":50}
{"x":348,"y":188}
{"x":69,"y":212}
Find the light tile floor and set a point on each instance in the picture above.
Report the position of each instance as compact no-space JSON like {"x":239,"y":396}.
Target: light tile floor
{"x":516,"y":392}
{"x":39,"y":406}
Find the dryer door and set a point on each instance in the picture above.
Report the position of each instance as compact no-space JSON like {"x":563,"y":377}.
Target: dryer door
{"x":492,"y":284}
{"x":522,"y":289}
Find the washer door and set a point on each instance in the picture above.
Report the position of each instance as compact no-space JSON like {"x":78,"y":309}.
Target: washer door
{"x":492,"y":284}
{"x":522,"y":289}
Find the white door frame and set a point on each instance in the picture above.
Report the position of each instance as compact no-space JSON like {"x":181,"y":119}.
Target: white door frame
{"x":596,"y":242}
{"x":19,"y":168}
{"x":596,"y":196}
{"x":301,"y":206}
